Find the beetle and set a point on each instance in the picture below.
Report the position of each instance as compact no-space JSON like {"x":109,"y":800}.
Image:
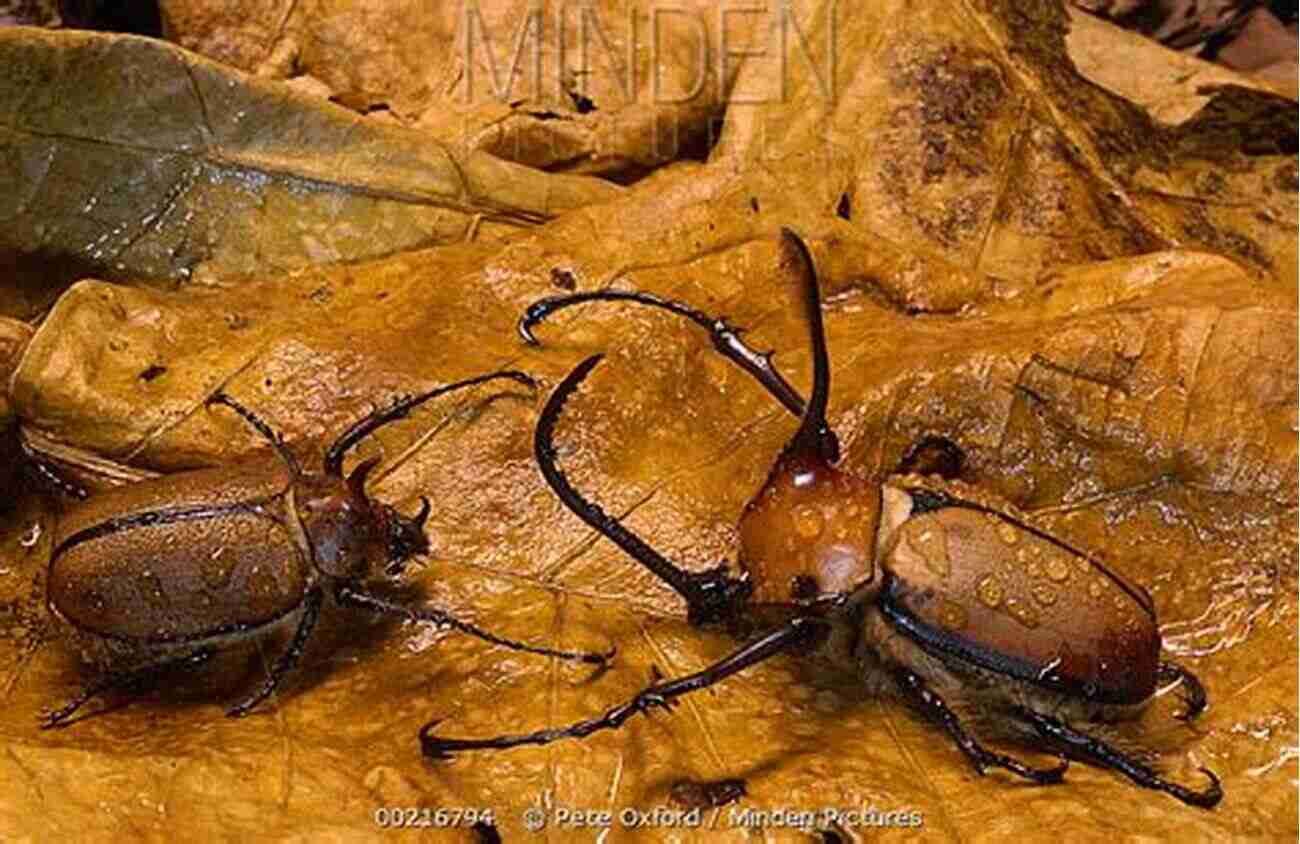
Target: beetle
{"x":164,"y":572}
{"x":931,"y":585}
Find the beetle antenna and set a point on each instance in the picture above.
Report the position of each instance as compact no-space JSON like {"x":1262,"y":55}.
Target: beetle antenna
{"x":398,"y":410}
{"x":725,"y":336}
{"x":262,"y":428}
{"x":814,"y":436}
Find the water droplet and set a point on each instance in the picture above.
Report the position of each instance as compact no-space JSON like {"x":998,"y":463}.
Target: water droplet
{"x":152,"y":590}
{"x":1022,"y":612}
{"x":1096,"y":587}
{"x":1119,"y":601}
{"x":952,"y":615}
{"x":1057,"y":569}
{"x":808,"y":522}
{"x":218,"y":570}
{"x":1044,"y":594}
{"x":930,"y":544}
{"x":989,"y":591}
{"x":1008,"y":533}
{"x":261,"y":583}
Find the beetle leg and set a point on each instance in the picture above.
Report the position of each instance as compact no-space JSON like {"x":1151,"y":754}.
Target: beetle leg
{"x":1193,"y":691}
{"x":932,"y":706}
{"x":125,"y":680}
{"x":398,"y":410}
{"x":288,"y":659}
{"x":262,"y":428}
{"x":365,"y":601}
{"x":1098,"y":751}
{"x":660,"y":694}
{"x":710,"y":596}
{"x":725,"y":336}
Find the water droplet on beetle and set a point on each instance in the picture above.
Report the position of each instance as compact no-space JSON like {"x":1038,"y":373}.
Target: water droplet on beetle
{"x":1096,"y":588}
{"x":1008,"y":533}
{"x":1057,"y":569}
{"x":1022,"y":612}
{"x":1044,"y":594}
{"x":808,"y":522}
{"x":952,"y":615}
{"x":930,"y":544}
{"x":989,"y":591}
{"x":217,"y":571}
{"x":152,"y":590}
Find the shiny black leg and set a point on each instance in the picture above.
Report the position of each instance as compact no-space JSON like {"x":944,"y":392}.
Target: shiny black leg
{"x":1097,"y":751}
{"x":933,"y":707}
{"x":126,"y":680}
{"x":661,"y":695}
{"x":710,"y":596}
{"x":288,"y":659}
{"x":1193,"y":692}
{"x":364,"y":600}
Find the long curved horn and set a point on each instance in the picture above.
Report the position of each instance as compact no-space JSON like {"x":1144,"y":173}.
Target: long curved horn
{"x":422,"y":516}
{"x":357,"y":480}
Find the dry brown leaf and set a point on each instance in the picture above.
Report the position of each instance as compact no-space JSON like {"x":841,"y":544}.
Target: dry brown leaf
{"x":1143,"y":406}
{"x":559,"y":86}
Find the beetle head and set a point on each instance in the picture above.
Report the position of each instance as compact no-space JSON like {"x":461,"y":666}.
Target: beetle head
{"x":404,"y":537}
{"x":808,"y":536}
{"x":352,"y":537}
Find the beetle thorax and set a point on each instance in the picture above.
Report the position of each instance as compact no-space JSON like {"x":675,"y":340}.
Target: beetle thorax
{"x":343,"y":530}
{"x":809,"y":534}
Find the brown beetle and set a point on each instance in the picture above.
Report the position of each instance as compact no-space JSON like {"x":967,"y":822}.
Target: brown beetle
{"x":935,"y":586}
{"x":162,"y":572}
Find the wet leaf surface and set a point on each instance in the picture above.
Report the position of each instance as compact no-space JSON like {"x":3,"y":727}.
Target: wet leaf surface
{"x":132,"y":159}
{"x":1136,"y":396}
